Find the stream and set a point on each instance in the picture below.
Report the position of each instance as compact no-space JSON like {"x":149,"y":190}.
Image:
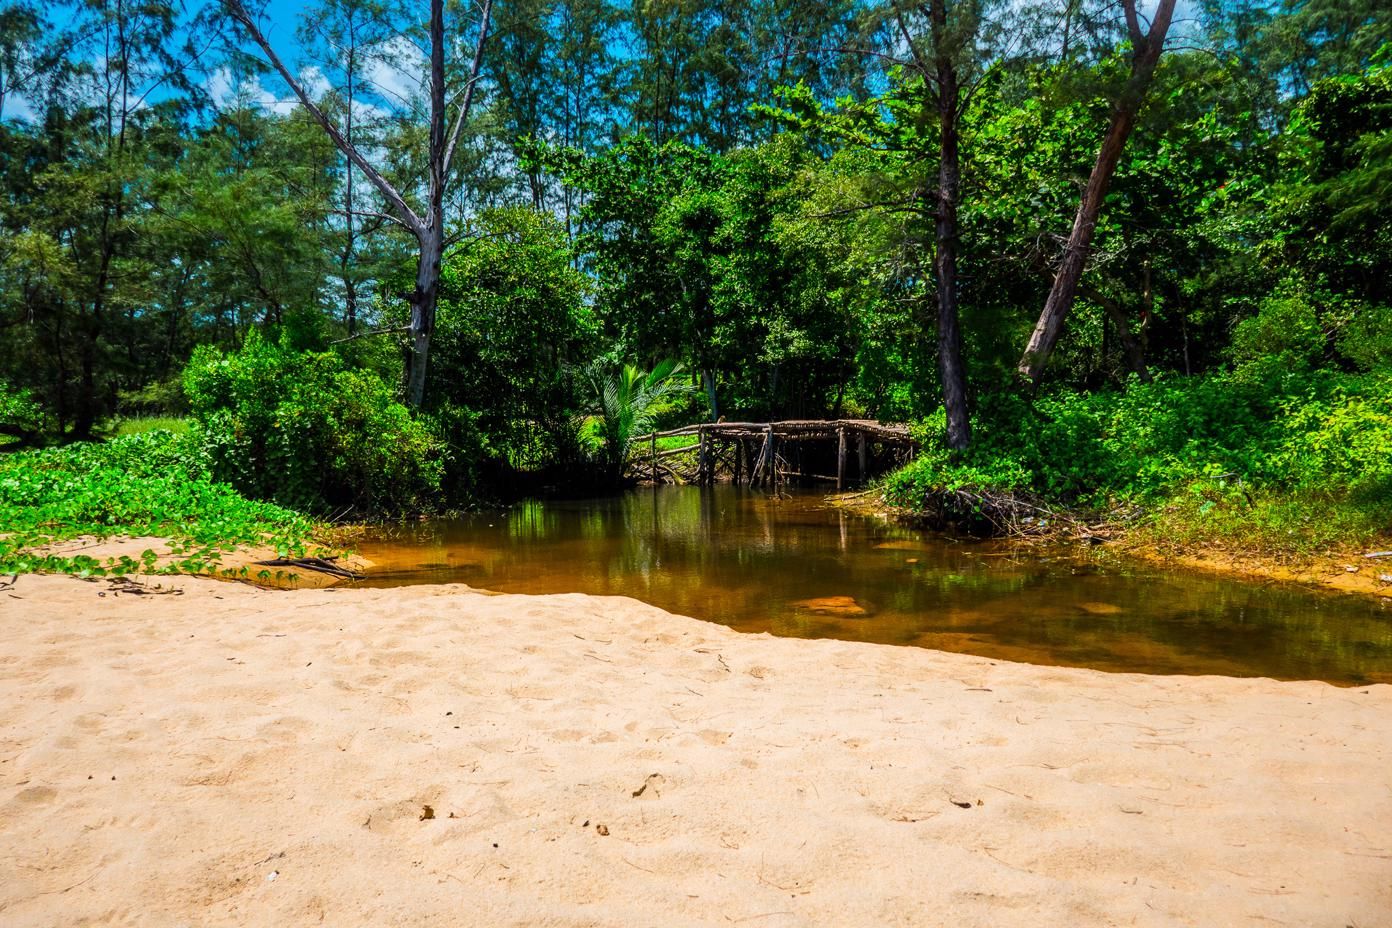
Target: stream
{"x":798,"y":566}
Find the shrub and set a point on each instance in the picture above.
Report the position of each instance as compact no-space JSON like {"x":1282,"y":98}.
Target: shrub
{"x":1295,"y":461}
{"x":513,"y":322}
{"x":20,"y":413}
{"x":301,"y":429}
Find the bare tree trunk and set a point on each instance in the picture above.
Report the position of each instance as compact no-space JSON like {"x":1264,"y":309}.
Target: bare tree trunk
{"x":708,"y":381}
{"x":1147,"y":47}
{"x":423,"y":302}
{"x":350,"y":287}
{"x":1131,"y":346}
{"x":428,"y":226}
{"x":950,"y":369}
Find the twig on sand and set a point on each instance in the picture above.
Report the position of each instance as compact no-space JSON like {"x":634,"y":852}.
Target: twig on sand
{"x":750,"y":918}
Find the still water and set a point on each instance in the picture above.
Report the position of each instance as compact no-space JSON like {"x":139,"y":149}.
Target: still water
{"x":797,"y":566}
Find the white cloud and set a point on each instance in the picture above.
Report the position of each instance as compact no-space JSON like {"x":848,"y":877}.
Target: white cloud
{"x":18,"y":107}
{"x":228,"y":90}
{"x":396,"y":70}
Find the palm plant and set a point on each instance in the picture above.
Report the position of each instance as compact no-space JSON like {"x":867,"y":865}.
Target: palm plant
{"x":629,"y":401}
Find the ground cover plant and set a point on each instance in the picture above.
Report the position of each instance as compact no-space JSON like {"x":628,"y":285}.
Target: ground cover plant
{"x":1298,"y":465}
{"x":153,"y":484}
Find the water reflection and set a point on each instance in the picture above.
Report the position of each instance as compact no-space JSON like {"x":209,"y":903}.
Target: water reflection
{"x":796,"y":566}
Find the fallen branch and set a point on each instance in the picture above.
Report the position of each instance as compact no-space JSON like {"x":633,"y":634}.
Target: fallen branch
{"x":315,"y":564}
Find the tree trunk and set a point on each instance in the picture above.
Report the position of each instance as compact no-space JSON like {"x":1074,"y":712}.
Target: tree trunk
{"x":1145,"y":57}
{"x":1131,"y":346}
{"x":86,"y":416}
{"x":708,"y":380}
{"x":950,"y":369}
{"x":423,"y":302}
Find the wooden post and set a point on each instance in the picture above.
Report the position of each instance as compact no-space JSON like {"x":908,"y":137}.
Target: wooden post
{"x":768,"y":458}
{"x":739,"y":459}
{"x":861,"y":453}
{"x":654,"y":456}
{"x":703,"y":459}
{"x":840,"y":457}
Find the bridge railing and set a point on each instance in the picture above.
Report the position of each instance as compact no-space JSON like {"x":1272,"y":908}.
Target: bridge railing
{"x":732,"y":444}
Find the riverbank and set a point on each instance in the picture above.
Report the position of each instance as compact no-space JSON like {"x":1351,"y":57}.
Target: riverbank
{"x":1350,"y":572}
{"x":221,"y":755}
{"x":1334,"y":571}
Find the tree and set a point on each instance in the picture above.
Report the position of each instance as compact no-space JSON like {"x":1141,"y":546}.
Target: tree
{"x":25,"y":58}
{"x":514,"y":325}
{"x":77,"y":251}
{"x":939,"y":44}
{"x":426,"y":222}
{"x":1146,"y":46}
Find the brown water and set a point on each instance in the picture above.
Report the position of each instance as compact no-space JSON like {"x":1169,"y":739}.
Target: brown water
{"x":799,"y":567}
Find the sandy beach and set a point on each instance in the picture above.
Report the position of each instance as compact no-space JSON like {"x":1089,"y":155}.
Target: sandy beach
{"x":225,"y":755}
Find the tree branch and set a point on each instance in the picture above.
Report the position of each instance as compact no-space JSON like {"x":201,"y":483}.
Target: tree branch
{"x":1133,"y":24}
{"x":392,"y":331}
{"x":238,"y":11}
{"x":388,"y":217}
{"x":475,"y":71}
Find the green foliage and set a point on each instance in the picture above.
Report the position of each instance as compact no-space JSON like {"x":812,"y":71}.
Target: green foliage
{"x":1224,"y":450}
{"x":303,"y":430}
{"x":629,"y":402}
{"x":19,"y":412}
{"x":706,"y":258}
{"x":513,"y":321}
{"x":151,"y":484}
{"x":1285,"y":333}
{"x":141,"y":424}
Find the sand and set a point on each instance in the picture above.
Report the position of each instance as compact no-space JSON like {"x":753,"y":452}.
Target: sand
{"x":437,"y":756}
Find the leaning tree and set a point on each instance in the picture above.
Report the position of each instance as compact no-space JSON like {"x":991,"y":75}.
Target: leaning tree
{"x":1146,"y":46}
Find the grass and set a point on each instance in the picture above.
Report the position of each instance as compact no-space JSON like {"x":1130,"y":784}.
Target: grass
{"x":139,"y":425}
{"x":138,"y":485}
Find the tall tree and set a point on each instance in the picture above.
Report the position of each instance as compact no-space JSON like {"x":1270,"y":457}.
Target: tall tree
{"x":941,"y":42}
{"x":27,"y":56}
{"x":1146,"y":46}
{"x":426,"y":222}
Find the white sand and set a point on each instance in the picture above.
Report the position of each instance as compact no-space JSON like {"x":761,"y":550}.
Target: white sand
{"x":232,"y":756}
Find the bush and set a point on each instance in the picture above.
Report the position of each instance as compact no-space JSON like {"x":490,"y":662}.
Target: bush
{"x":301,"y":429}
{"x":1297,"y":461}
{"x":20,"y":413}
{"x":513,"y":323}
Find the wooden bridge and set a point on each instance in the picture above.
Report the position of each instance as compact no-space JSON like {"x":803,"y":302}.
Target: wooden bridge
{"x":770,"y":453}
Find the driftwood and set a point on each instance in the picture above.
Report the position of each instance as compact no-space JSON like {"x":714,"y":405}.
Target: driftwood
{"x":984,"y":512}
{"x":318,"y":565}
